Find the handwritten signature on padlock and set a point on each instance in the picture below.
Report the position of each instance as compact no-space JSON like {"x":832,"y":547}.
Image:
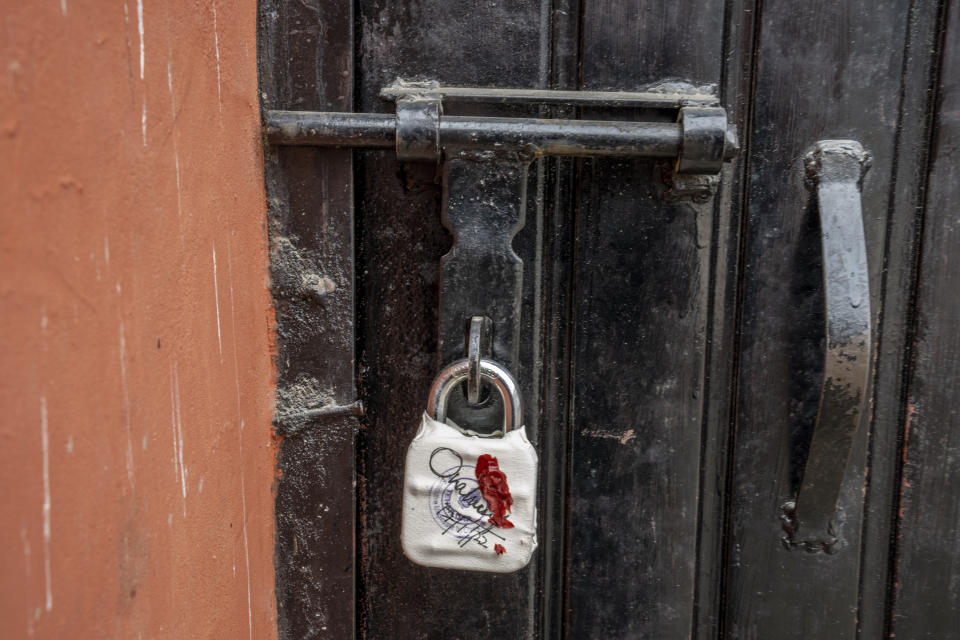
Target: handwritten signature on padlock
{"x":487,"y":494}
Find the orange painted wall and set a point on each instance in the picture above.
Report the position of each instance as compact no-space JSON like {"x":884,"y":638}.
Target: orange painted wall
{"x":136,"y":451}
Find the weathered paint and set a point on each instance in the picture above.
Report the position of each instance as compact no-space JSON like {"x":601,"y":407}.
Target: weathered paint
{"x":136,"y":450}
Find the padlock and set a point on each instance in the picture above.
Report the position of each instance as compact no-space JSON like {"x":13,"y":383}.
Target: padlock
{"x":470,"y":500}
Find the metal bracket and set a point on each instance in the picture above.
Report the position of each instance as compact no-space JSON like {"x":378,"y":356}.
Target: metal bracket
{"x":418,"y":128}
{"x":706,"y":142}
{"x":485,"y":164}
{"x":699,"y":141}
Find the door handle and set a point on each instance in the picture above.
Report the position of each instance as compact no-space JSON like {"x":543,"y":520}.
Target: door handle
{"x":835,"y":170}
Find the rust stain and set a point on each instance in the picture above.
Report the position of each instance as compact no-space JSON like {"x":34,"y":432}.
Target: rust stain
{"x":904,"y":481}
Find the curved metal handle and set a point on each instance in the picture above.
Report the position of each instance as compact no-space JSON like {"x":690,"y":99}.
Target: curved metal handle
{"x":835,"y":170}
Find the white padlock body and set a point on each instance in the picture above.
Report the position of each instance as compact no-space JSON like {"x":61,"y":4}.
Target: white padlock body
{"x":446,"y":520}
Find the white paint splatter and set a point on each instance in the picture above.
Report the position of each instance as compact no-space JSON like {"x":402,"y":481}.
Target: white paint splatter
{"x":243,"y":488}
{"x":70,"y":444}
{"x":178,"y":443}
{"x":143,"y":115}
{"x":45,"y":441}
{"x":216,"y":49}
{"x":143,"y":442}
{"x":106,"y":250}
{"x":233,"y":329}
{"x":126,"y":403}
{"x":126,"y":33}
{"x":173,"y":106}
{"x":246,"y":552}
{"x":200,"y":485}
{"x":173,"y":425}
{"x":216,"y":298}
{"x":28,"y":569}
{"x":176,"y":164}
{"x":624,"y":437}
{"x":44,"y":324}
{"x":25,"y":541}
{"x":176,"y":153}
{"x":63,"y":7}
{"x":140,"y":29}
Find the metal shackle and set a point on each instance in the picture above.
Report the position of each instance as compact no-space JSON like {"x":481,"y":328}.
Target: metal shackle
{"x":456,"y":372}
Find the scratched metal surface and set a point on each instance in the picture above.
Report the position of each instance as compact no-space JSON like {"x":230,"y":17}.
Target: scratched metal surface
{"x":670,"y":358}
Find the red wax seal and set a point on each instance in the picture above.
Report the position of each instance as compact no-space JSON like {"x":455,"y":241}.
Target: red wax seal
{"x":500,"y":549}
{"x":493,"y":486}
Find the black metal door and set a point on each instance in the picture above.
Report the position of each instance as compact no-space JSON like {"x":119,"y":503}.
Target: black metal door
{"x":671,"y":353}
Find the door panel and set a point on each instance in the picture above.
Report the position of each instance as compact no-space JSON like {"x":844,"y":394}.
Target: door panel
{"x":642,"y":274}
{"x":927,"y":596}
{"x":671,"y":353}
{"x":824,"y":70}
{"x":918,"y":105}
